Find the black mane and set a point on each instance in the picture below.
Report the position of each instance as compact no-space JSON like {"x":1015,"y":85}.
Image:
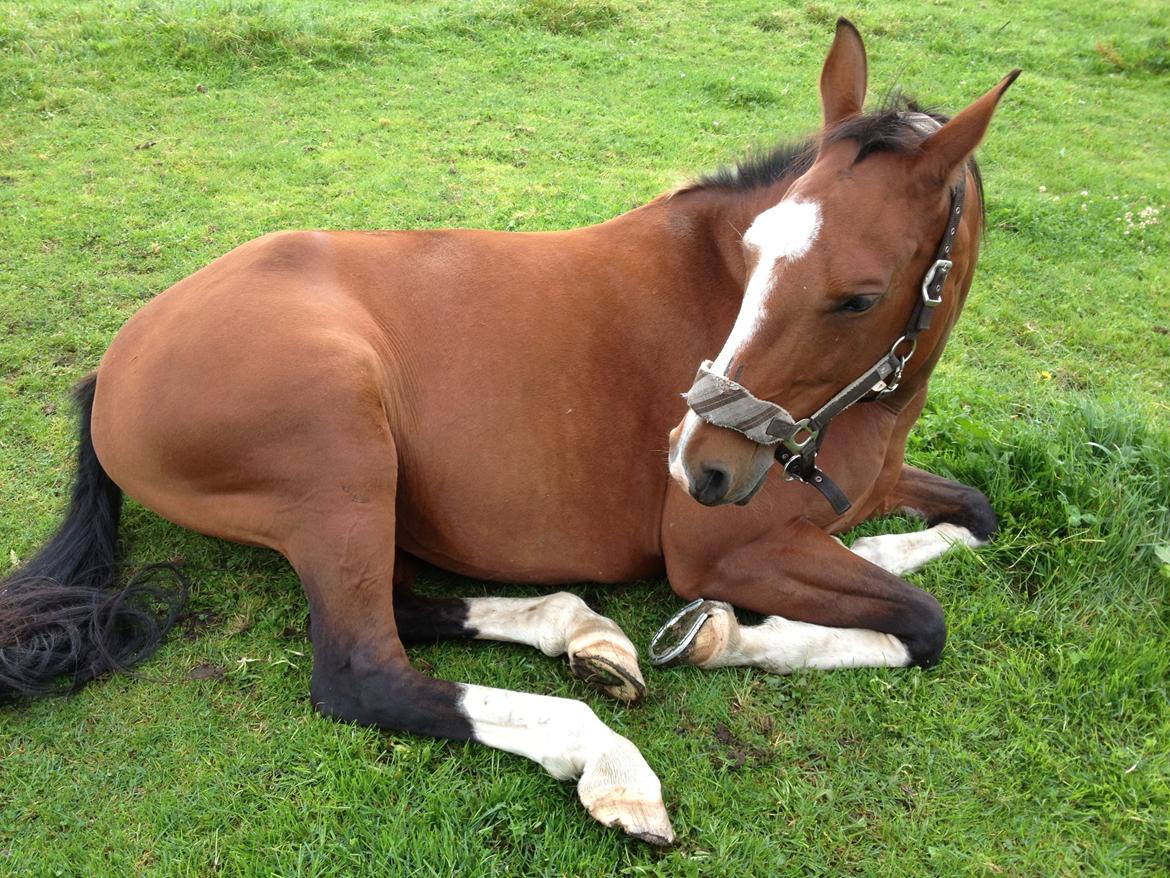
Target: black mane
{"x":761,"y":169}
{"x":895,"y":127}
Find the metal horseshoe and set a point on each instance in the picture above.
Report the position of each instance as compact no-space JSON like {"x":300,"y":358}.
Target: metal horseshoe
{"x":659,"y":656}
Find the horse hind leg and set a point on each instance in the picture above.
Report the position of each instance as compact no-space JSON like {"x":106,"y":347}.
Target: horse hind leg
{"x":599,"y":651}
{"x":361,"y":674}
{"x":343,"y":552}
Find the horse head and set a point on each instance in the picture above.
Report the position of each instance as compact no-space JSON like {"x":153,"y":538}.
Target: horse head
{"x":843,"y":270}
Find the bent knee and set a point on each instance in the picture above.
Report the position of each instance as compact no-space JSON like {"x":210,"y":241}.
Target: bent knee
{"x":926,"y":635}
{"x":686,"y":587}
{"x":974,"y":512}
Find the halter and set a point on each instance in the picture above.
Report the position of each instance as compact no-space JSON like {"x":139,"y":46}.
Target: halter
{"x":723,"y":402}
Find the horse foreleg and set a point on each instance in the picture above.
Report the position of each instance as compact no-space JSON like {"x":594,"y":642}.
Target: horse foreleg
{"x":827,"y":607}
{"x":781,"y":646}
{"x":557,"y":624}
{"x":904,"y":553}
{"x":956,"y":514}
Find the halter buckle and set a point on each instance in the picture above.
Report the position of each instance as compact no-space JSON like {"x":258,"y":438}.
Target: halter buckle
{"x":791,"y":442}
{"x":943,"y":265}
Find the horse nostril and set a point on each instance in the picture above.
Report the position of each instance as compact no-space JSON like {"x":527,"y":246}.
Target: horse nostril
{"x":712,"y":484}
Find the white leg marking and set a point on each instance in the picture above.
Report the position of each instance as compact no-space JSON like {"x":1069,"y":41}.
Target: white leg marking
{"x":781,"y":646}
{"x":599,"y":651}
{"x":616,"y":785}
{"x":784,"y":232}
{"x":905,"y":553}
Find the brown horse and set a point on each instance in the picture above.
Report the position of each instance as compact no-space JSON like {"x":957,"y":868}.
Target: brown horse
{"x":497,"y":404}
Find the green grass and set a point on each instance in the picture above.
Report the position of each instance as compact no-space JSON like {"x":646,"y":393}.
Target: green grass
{"x":140,"y":140}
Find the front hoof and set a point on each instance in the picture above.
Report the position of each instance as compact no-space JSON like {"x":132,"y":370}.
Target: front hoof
{"x":698,"y":634}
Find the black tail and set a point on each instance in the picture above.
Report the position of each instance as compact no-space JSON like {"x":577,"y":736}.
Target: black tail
{"x":63,"y":618}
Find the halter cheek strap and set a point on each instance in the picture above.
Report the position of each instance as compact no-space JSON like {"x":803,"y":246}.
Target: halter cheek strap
{"x":722,"y":401}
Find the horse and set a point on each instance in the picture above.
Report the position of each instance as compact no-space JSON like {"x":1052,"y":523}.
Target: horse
{"x":497,"y":404}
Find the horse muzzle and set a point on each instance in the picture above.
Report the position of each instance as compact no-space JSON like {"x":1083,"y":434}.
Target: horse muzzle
{"x":717,"y":466}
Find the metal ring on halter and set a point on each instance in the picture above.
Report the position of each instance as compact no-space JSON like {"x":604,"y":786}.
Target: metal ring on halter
{"x":789,"y":466}
{"x":909,"y":353}
{"x":664,"y":657}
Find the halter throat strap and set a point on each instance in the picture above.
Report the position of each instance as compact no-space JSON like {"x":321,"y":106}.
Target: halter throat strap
{"x":724,"y":402}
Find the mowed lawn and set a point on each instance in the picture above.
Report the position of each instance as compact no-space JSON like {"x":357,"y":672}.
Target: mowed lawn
{"x":138,"y":141}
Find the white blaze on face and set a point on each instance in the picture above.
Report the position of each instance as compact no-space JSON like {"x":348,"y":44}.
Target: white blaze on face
{"x":779,"y":235}
{"x":678,"y":472}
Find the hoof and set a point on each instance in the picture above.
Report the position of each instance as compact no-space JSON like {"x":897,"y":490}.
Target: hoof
{"x":610,"y":667}
{"x":644,"y":820}
{"x":698,"y":635}
{"x":620,"y":790}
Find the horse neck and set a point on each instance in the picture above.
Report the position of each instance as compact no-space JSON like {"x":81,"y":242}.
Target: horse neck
{"x":693,"y":237}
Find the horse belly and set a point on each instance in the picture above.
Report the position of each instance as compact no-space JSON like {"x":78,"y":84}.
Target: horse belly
{"x":494,"y":513}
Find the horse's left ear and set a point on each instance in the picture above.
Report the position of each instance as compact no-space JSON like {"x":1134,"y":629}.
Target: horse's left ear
{"x":949,"y":147}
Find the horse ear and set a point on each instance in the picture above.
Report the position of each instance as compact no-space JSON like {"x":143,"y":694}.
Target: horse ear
{"x":843,"y":78}
{"x":949,"y":147}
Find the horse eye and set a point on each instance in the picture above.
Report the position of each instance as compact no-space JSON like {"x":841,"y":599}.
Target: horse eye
{"x":857,"y":304}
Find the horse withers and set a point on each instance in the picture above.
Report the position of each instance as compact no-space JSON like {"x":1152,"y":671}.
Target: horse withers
{"x":496,"y":404}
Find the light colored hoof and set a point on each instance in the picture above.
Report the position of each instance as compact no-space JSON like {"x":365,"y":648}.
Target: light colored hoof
{"x":700,"y":633}
{"x":643,"y":819}
{"x":609,"y":665}
{"x":619,"y":789}
{"x":719,"y":632}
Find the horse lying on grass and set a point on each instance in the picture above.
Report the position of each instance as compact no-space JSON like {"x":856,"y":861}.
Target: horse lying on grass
{"x":496,"y":404}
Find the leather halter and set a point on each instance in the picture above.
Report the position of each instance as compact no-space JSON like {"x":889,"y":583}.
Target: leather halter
{"x":723,"y":402}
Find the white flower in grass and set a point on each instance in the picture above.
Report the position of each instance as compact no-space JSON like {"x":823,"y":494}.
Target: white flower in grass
{"x":1146,"y":217}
